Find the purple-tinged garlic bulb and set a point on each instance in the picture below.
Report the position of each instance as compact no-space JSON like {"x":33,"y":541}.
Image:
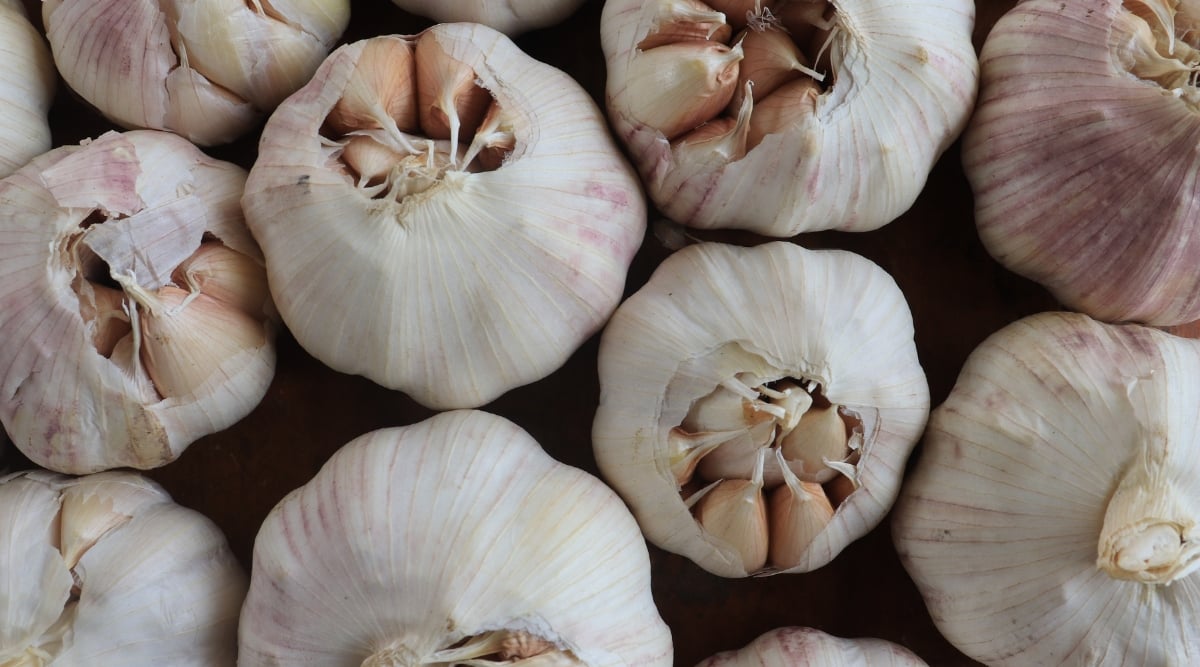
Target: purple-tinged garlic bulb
{"x":27,"y":82}
{"x":809,"y":647}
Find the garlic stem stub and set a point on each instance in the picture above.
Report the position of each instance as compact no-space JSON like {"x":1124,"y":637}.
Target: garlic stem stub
{"x":27,"y":83}
{"x":787,"y":116}
{"x":1052,"y":517}
{"x":208,"y":70}
{"x":1083,"y":152}
{"x":453,"y":541}
{"x":443,"y":214}
{"x":136,"y":317}
{"x":511,"y":17}
{"x":739,"y":389}
{"x":795,"y":646}
{"x":107,"y":571}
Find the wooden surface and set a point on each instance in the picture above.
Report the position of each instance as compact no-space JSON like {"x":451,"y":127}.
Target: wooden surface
{"x":958,"y":295}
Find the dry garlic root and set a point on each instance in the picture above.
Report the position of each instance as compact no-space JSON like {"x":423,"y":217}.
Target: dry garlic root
{"x":136,"y":316}
{"x":785,"y":116}
{"x":454,"y":541}
{"x":808,"y":647}
{"x":511,"y":17}
{"x":205,"y":69}
{"x":1052,"y":518}
{"x":443,"y":214}
{"x":107,"y":571}
{"x":1083,"y":151}
{"x":27,"y":84}
{"x":757,"y":405}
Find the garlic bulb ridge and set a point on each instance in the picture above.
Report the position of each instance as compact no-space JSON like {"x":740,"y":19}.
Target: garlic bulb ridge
{"x":27,"y":82}
{"x":785,"y":647}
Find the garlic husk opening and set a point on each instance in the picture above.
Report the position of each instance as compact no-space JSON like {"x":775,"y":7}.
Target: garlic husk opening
{"x":27,"y":83}
{"x":512,"y":17}
{"x":809,"y":646}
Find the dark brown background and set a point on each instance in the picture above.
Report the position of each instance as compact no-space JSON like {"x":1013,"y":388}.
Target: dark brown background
{"x":958,"y":295}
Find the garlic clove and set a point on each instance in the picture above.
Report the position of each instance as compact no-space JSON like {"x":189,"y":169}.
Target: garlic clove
{"x":701,"y":71}
{"x":798,"y":512}
{"x":203,"y":112}
{"x":103,"y":311}
{"x":820,"y":436}
{"x":672,"y":21}
{"x":689,"y":448}
{"x":94,"y":506}
{"x":225,"y":275}
{"x":512,"y":17}
{"x":449,"y":102}
{"x":27,"y":83}
{"x":771,"y":60}
{"x":734,"y":512}
{"x":809,"y":646}
{"x":792,"y":105}
{"x":380,"y":92}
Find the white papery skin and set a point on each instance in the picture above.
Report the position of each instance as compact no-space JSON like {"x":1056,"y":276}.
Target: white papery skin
{"x":511,"y":17}
{"x":808,"y":647}
{"x":712,"y":311}
{"x":106,"y":570}
{"x":27,"y":81}
{"x":451,"y":284}
{"x":205,"y":69}
{"x":1083,"y":154}
{"x":76,"y":406}
{"x":410,"y":540}
{"x":901,"y":84}
{"x":1061,"y":434}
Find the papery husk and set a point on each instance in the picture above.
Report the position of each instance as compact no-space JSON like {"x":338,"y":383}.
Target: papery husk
{"x":809,"y":647}
{"x":27,"y":83}
{"x":511,"y":17}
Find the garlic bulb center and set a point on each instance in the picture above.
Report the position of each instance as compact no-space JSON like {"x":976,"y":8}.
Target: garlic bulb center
{"x":496,"y":648}
{"x":1156,"y":40}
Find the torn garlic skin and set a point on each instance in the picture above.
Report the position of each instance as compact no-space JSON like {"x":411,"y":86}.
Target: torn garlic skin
{"x":755,"y":417}
{"x":27,"y":83}
{"x":136,"y":317}
{"x":787,"y":116}
{"x":511,"y":17}
{"x":783,"y":647}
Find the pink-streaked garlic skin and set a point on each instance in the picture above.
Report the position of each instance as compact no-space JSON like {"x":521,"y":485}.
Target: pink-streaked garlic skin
{"x":27,"y":85}
{"x":66,"y":405}
{"x":511,"y":17}
{"x":809,"y":647}
{"x":1084,"y":175}
{"x":903,"y":84}
{"x":484,"y":281}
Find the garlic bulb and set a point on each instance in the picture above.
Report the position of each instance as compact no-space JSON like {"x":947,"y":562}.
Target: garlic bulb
{"x":106,"y":570}
{"x":454,"y":541}
{"x":136,"y":316}
{"x":1082,"y":152}
{"x":718,"y":381}
{"x":786,"y":116}
{"x":205,"y":69}
{"x":1052,"y":516}
{"x":511,"y":17}
{"x":443,"y":214}
{"x":27,"y":84}
{"x":808,"y":647}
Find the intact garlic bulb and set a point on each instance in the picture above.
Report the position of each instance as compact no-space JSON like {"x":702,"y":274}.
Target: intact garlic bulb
{"x":1052,"y":517}
{"x":787,"y":116}
{"x":808,"y":647}
{"x":27,"y":84}
{"x":205,"y":69}
{"x":107,"y":571}
{"x":453,"y":541}
{"x":135,"y":316}
{"x":511,"y":17}
{"x":443,"y":214}
{"x":1083,"y":152}
{"x":711,"y":377}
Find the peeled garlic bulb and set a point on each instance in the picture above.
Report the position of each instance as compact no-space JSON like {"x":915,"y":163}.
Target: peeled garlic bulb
{"x":27,"y":82}
{"x":136,"y":316}
{"x":851,"y":104}
{"x":456,"y":540}
{"x":713,"y":354}
{"x":466,"y":249}
{"x":105,"y":571}
{"x":205,"y":69}
{"x":1082,"y":152}
{"x":1052,"y":517}
{"x":511,"y":17}
{"x":794,"y":646}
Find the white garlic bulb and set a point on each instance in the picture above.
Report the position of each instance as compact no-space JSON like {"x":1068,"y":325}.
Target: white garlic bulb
{"x":741,"y":357}
{"x":443,"y":214}
{"x":511,"y":17}
{"x":27,"y":82}
{"x":107,"y":571}
{"x":1052,"y":517}
{"x":456,"y":540}
{"x":136,"y":316}
{"x":809,"y":647}
{"x":786,"y":116}
{"x":205,"y":69}
{"x":1081,"y":154}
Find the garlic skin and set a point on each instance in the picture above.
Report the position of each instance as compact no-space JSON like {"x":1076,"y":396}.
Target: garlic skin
{"x":1074,"y":200}
{"x":207,"y":70}
{"x":443,"y":214}
{"x":27,"y":83}
{"x":876,"y":90}
{"x":809,"y":647}
{"x":1052,"y":515}
{"x":511,"y":17}
{"x":722,"y":353}
{"x":110,"y":357}
{"x":107,"y":570}
{"x":456,"y":540}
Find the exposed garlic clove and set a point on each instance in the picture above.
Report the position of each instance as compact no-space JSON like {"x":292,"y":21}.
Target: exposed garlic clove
{"x":771,"y":60}
{"x":735,"y":513}
{"x":819,"y":437}
{"x":27,"y":83}
{"x":512,"y":17}
{"x":689,"y":448}
{"x":449,"y":102}
{"x":380,"y":92}
{"x":738,"y":456}
{"x":806,"y":20}
{"x":226,"y":275}
{"x":791,"y":106}
{"x":103,"y":312}
{"x":703,"y":72}
{"x":798,"y":512}
{"x":672,"y":21}
{"x":809,"y":646}
{"x":370,"y":160}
